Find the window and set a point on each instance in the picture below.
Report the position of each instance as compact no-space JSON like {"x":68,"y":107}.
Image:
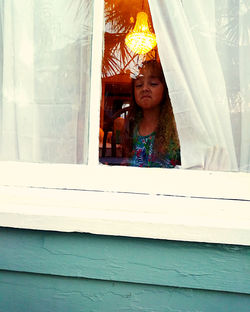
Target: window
{"x":133,"y":132}
{"x":91,"y":197}
{"x":203,"y":51}
{"x":46,"y":77}
{"x":46,"y":48}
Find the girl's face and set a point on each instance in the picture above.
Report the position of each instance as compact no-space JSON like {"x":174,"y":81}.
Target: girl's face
{"x":148,"y":90}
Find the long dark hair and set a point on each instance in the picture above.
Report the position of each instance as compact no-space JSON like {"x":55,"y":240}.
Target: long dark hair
{"x":166,"y":129}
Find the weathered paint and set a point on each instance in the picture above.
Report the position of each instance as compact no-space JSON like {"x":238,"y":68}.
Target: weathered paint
{"x":22,"y":292}
{"x":51,"y":271}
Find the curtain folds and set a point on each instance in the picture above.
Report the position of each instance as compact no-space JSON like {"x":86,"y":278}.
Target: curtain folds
{"x":45,"y":53}
{"x":204,"y":47}
{"x":45,"y":80}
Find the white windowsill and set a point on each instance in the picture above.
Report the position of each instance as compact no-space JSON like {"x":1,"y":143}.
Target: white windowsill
{"x":152,"y":203}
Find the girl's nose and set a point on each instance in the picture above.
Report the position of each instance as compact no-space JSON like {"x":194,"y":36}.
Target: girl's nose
{"x":145,"y":87}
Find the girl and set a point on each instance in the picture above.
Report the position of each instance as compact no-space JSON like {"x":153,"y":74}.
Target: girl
{"x":150,"y":137}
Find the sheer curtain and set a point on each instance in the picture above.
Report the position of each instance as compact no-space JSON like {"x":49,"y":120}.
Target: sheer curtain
{"x":44,"y":80}
{"x":204,"y":47}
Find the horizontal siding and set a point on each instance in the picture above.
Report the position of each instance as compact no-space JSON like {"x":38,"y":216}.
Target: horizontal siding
{"x":146,"y":261}
{"x":24,"y":292}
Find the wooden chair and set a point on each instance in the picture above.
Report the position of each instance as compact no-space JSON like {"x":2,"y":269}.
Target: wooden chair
{"x":116,"y":125}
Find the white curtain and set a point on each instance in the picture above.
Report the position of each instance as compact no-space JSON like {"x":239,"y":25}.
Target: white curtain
{"x":204,"y":47}
{"x":44,"y":81}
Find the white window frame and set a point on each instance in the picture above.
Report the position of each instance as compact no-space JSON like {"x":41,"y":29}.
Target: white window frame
{"x":173,"y":204}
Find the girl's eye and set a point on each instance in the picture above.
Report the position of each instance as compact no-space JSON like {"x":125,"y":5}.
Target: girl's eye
{"x":154,"y":82}
{"x":138,"y":85}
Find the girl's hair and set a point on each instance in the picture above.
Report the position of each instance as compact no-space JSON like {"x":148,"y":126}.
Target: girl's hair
{"x":166,"y":129}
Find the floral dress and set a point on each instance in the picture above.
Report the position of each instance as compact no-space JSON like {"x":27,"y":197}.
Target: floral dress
{"x":144,"y":156}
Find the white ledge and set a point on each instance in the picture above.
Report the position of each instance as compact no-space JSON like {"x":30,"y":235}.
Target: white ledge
{"x":181,"y":205}
{"x":135,"y":215}
{"x":193,"y":183}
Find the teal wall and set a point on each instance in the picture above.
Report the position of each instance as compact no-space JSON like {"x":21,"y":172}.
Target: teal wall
{"x":52,"y":271}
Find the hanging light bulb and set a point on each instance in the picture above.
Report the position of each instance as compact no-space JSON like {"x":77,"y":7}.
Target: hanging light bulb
{"x":140,"y":39}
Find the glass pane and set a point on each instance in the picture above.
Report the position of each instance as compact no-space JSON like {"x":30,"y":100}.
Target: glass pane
{"x":45,"y":80}
{"x":130,"y":132}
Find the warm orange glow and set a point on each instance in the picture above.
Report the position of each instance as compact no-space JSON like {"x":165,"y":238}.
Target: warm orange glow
{"x":140,"y":39}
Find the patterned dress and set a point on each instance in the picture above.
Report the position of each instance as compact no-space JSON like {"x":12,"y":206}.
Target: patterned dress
{"x":144,"y":156}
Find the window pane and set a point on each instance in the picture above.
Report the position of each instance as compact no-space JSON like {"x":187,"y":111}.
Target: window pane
{"x":133,"y":132}
{"x":45,"y":80}
{"x":204,"y":53}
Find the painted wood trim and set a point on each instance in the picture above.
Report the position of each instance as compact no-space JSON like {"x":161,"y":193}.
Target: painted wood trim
{"x":123,"y":259}
{"x":176,"y":182}
{"x":138,"y":202}
{"x":96,"y":89}
{"x":126,"y":214}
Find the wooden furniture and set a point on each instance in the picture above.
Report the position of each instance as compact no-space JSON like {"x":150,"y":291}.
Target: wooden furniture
{"x":116,"y":124}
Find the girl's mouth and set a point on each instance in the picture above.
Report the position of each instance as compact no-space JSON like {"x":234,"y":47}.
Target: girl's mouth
{"x":145,"y":96}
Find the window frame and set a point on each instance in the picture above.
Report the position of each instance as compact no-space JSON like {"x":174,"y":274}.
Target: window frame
{"x":175,"y":204}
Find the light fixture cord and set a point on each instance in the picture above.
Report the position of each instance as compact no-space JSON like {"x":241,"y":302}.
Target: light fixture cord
{"x":142,"y":5}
